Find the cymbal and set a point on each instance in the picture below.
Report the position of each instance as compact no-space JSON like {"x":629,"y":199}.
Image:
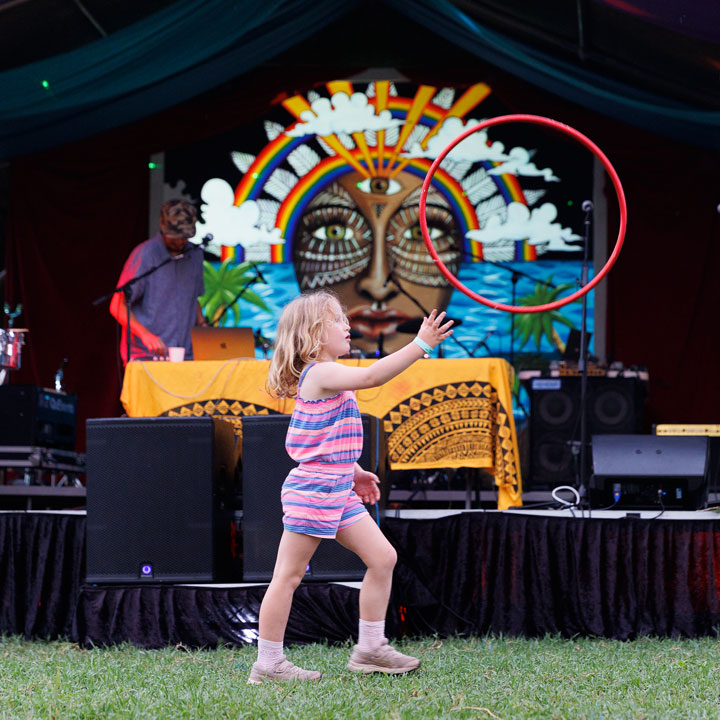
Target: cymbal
{"x":414,"y":324}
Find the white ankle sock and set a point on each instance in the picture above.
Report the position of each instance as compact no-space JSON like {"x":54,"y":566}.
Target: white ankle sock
{"x":370,"y":634}
{"x":269,"y":653}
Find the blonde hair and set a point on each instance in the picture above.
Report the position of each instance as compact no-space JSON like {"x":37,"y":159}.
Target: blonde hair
{"x":299,"y":341}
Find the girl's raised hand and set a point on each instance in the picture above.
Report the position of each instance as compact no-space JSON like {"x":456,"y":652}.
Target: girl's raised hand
{"x":433,"y":331}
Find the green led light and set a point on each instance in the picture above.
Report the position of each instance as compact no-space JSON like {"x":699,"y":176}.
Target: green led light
{"x":570,"y":203}
{"x":152,"y":165}
{"x":45,"y":84}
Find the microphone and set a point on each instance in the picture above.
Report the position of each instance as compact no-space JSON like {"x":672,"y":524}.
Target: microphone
{"x":259,"y":275}
{"x":261,"y":341}
{"x":190,"y":246}
{"x":587,"y":206}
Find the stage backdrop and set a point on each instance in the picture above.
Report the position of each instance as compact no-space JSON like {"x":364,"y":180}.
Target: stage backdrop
{"x":322,"y":191}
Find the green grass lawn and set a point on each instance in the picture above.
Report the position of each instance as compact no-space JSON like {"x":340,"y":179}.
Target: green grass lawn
{"x":476,"y":678}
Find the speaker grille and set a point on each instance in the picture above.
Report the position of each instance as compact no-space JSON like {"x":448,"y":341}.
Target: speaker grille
{"x":157,"y":497}
{"x":613,"y":405}
{"x":556,"y":409}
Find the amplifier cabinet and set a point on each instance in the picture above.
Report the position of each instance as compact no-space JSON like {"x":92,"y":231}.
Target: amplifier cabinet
{"x":31,"y":415}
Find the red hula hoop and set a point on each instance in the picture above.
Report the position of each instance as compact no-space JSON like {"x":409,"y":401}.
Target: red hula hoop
{"x":558,"y":126}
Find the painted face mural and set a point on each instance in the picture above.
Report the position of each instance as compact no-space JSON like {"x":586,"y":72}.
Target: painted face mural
{"x":360,"y":236}
{"x":334,"y":191}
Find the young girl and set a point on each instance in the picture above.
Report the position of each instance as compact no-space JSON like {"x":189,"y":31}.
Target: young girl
{"x":323,"y":496}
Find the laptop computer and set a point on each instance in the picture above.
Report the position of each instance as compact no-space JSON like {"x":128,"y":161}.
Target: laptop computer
{"x":222,"y":343}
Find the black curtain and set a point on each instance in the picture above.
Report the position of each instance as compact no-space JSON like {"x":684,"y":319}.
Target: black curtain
{"x":528,"y":575}
{"x":466,"y":574}
{"x":42,"y":563}
{"x":156,"y":616}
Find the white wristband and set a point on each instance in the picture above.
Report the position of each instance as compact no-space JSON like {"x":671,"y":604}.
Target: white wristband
{"x":422,"y":345}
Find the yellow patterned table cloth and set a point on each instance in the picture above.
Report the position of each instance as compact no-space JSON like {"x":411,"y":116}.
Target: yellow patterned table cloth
{"x":437,"y":414}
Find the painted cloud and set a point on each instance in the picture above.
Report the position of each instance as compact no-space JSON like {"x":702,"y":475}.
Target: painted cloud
{"x":343,"y":113}
{"x":231,"y":224}
{"x":518,"y":163}
{"x":474,"y":148}
{"x":537,"y":226}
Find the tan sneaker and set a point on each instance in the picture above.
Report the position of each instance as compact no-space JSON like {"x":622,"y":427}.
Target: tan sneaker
{"x":384,"y":659}
{"x":283,"y":671}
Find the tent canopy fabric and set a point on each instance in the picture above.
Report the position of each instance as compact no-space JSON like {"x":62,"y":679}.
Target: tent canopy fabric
{"x":192,"y":46}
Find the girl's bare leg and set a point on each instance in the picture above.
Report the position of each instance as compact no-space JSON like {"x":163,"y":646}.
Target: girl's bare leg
{"x":366,"y":540}
{"x":293,"y":556}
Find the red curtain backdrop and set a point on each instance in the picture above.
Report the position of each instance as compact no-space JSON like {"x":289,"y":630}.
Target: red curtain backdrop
{"x":664,"y":290}
{"x":77,"y":211}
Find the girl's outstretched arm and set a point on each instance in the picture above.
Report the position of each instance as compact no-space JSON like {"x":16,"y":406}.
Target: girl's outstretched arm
{"x":333,"y":377}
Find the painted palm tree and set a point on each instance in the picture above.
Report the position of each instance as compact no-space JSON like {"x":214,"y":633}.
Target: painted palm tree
{"x":222,"y":286}
{"x":537,"y":325}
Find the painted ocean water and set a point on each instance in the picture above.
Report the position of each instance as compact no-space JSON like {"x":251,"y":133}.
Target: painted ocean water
{"x":478,"y":321}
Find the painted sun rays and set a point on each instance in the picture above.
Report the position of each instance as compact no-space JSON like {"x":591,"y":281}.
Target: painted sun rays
{"x":370,"y":132}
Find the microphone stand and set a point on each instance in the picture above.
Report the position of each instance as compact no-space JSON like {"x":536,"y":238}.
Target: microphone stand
{"x":126,"y":289}
{"x":380,"y":352}
{"x":396,"y":282}
{"x":587,"y":207}
{"x":516,"y":275}
{"x":243,"y":289}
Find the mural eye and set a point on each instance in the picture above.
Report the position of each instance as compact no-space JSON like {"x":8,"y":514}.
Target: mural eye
{"x":332,"y":244}
{"x":408,"y":251}
{"x":379,"y":186}
{"x":415,"y":233}
{"x":336,"y":231}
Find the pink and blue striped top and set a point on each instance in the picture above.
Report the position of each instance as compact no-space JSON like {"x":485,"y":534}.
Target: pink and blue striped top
{"x":325,"y":431}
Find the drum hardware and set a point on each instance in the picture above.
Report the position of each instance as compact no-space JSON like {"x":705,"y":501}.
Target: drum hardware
{"x":11,"y":342}
{"x":12,"y":314}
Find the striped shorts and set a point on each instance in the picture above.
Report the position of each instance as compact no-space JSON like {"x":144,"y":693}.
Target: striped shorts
{"x":318,"y":499}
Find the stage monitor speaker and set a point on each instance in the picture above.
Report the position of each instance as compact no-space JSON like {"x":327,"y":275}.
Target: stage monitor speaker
{"x":649,"y":472}
{"x":159,"y":500}
{"x":709,"y":430}
{"x":265,"y":465}
{"x":613,"y":405}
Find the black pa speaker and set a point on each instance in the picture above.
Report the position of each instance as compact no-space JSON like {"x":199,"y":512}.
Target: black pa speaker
{"x":265,"y":465}
{"x":159,"y":499}
{"x":649,"y":472}
{"x":613,"y":406}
